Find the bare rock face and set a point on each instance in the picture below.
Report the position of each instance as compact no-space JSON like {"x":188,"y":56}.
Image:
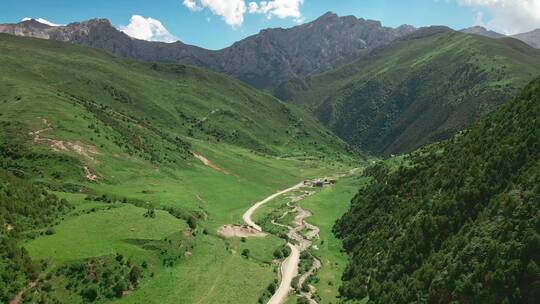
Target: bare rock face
{"x":264,"y":60}
{"x":30,"y":28}
{"x":276,"y":55}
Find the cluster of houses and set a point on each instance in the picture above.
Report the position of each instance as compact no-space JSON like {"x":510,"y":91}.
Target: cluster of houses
{"x":320,"y":182}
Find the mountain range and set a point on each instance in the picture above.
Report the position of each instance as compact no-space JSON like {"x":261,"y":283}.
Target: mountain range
{"x":337,"y":68}
{"x":264,"y":60}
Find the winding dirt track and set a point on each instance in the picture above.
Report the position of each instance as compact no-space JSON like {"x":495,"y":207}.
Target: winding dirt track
{"x":247,"y":216}
{"x":289,"y":270}
{"x":289,"y":267}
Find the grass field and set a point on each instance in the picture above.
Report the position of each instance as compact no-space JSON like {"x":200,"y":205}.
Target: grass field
{"x":216,"y":267}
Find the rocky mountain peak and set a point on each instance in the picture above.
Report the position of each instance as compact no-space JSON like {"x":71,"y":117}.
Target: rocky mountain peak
{"x":327,"y":16}
{"x":34,"y":23}
{"x":482,"y":31}
{"x":95,"y":22}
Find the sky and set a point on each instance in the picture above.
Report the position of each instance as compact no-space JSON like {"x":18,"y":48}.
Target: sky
{"x":216,"y":24}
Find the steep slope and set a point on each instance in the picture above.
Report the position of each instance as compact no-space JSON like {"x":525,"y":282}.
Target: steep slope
{"x":420,"y":89}
{"x":263,"y":60}
{"x":458,"y":221}
{"x":532,"y":38}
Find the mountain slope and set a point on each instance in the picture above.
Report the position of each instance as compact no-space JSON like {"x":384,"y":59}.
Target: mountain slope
{"x":153,"y":159}
{"x":419,"y":89}
{"x":171,"y":102}
{"x":23,"y":207}
{"x":532,"y":38}
{"x":458,"y":221}
{"x":263,"y":60}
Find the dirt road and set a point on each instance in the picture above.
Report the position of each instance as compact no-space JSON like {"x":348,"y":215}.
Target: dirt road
{"x":289,"y":267}
{"x":289,"y":270}
{"x":247,"y":216}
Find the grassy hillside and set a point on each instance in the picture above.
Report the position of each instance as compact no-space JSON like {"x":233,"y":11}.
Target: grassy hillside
{"x":114,"y":138}
{"x":144,"y":103}
{"x":456,"y":222}
{"x":420,"y":89}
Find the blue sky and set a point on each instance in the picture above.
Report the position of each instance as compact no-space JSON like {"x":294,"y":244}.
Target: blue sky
{"x":215,"y":24}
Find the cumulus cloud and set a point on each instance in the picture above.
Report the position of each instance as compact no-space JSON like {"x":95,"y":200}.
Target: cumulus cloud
{"x":280,"y":8}
{"x":479,"y":19}
{"x":233,"y":11}
{"x":41,"y":20}
{"x":147,"y":29}
{"x":508,"y":16}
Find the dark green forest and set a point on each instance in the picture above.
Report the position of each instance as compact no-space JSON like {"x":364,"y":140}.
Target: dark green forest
{"x":457,"y":222}
{"x":418,"y":90}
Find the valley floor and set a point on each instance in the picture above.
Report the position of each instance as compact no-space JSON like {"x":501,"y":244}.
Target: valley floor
{"x":212,"y":269}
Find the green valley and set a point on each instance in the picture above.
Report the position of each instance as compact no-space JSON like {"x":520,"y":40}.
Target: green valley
{"x":114,"y":138}
{"x":384,"y":163}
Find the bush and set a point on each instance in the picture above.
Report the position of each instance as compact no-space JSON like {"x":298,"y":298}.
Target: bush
{"x":90,"y":294}
{"x":134,"y":275}
{"x":272,"y":288}
{"x":118,"y":289}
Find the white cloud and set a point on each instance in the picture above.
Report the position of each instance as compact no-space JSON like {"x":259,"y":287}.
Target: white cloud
{"x":508,"y":16}
{"x":233,"y":11}
{"x":479,"y":19}
{"x":147,"y":29}
{"x":192,"y":5}
{"x":41,"y":20}
{"x":280,"y":8}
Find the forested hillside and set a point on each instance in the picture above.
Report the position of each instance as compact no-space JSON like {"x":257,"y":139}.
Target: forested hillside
{"x":420,"y":89}
{"x":458,"y":221}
